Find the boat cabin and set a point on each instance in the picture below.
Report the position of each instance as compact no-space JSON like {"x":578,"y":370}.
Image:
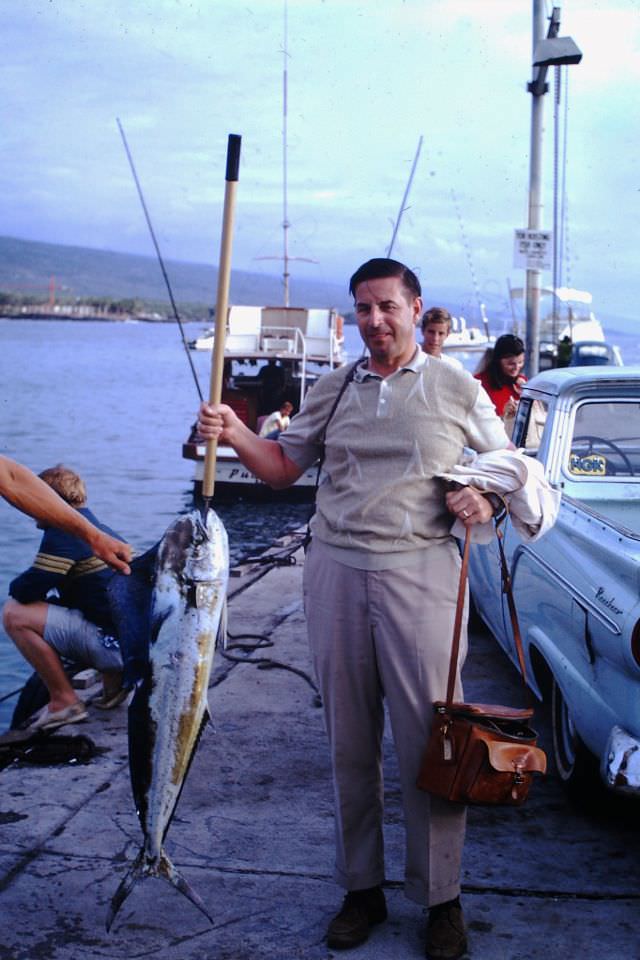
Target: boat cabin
{"x":272,"y":354}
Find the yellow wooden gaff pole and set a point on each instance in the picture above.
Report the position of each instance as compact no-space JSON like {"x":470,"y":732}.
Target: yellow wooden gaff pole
{"x":222,"y":304}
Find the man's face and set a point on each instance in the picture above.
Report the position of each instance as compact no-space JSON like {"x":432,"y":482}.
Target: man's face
{"x":433,"y":337}
{"x":387,"y":314}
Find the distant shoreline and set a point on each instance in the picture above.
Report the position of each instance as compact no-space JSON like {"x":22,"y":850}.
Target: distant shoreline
{"x":101,"y":318}
{"x":95,"y":318}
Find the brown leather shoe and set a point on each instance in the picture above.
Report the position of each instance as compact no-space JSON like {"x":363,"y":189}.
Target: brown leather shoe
{"x":446,"y":933}
{"x":361,"y":909}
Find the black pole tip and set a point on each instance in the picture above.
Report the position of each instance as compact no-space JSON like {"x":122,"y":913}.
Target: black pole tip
{"x":233,"y":156}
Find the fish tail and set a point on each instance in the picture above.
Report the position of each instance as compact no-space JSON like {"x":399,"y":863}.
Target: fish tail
{"x":167,"y":870}
{"x":135,"y":873}
{"x":162,"y":867}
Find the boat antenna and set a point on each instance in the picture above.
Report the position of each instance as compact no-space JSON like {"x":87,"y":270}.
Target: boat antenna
{"x":286,"y":259}
{"x":160,"y":260}
{"x":467,"y":250}
{"x":405,"y":197}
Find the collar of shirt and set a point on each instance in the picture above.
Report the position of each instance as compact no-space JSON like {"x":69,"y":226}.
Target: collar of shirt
{"x":416,"y":363}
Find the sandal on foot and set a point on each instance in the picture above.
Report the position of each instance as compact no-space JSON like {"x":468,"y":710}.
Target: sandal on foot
{"x":50,"y":719}
{"x":110,"y":700}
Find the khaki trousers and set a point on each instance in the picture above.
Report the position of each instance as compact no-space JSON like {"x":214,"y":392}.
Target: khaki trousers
{"x":380,"y":636}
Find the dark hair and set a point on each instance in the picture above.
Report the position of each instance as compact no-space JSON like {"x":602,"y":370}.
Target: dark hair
{"x":435,"y":315}
{"x":507,"y":345}
{"x":382,"y":267}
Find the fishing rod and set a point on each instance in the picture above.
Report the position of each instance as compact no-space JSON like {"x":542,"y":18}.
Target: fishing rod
{"x":467,"y":250}
{"x":160,"y":260}
{"x":403,"y":206}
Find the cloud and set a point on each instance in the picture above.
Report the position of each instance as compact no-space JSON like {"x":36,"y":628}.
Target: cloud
{"x":327,"y":196}
{"x":365,"y":80}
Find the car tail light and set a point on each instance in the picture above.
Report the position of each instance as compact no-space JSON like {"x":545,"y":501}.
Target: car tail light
{"x":635,"y":642}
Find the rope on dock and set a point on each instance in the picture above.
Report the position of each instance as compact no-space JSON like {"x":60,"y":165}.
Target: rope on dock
{"x":265,"y":663}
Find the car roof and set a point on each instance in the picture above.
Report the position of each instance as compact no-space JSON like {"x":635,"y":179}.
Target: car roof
{"x":568,"y":379}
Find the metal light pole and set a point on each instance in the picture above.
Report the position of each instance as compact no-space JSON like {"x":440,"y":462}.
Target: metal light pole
{"x":547,"y":52}
{"x":533,"y":283}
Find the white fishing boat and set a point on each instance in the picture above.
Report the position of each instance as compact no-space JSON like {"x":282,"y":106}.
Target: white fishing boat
{"x":570,"y":320}
{"x":272,"y":354}
{"x":570,"y":316}
{"x":465,"y":338}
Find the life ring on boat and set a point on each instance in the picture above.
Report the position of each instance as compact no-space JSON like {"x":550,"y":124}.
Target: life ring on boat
{"x":339,"y":326}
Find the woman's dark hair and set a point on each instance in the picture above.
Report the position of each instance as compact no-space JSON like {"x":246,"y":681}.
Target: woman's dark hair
{"x":507,"y":345}
{"x":382,"y":267}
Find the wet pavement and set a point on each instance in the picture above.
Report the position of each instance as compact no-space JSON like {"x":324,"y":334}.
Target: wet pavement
{"x":253,"y":833}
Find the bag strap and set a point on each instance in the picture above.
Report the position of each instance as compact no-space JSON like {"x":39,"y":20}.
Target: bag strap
{"x":457,"y":626}
{"x":506,"y":588}
{"x":345,"y":383}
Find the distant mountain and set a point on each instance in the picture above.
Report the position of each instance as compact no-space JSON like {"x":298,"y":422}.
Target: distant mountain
{"x":26,"y":266}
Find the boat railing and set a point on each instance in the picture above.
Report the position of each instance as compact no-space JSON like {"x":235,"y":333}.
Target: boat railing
{"x":282,"y":339}
{"x":293,"y":340}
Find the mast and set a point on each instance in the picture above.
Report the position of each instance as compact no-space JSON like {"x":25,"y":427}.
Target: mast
{"x":285,"y":211}
{"x":285,"y":217}
{"x":403,"y":204}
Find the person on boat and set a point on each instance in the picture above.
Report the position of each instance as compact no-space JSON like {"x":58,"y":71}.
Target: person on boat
{"x":380,"y":584}
{"x":500,"y":373}
{"x":277,"y":421}
{"x":20,"y":487}
{"x":436,"y":327}
{"x":58,"y":608}
{"x":271,"y":378}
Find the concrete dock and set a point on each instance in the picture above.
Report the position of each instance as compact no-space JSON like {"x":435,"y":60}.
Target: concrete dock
{"x":253,"y":833}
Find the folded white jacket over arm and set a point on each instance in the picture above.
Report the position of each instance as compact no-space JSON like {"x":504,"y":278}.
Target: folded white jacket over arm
{"x":533,"y":504}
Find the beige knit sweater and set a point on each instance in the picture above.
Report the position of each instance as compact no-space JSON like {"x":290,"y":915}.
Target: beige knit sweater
{"x":386,"y":443}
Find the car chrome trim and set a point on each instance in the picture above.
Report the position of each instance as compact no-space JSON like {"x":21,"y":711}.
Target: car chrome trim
{"x":580,"y":597}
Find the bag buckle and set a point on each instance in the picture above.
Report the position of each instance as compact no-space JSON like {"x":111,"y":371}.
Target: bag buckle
{"x":518,"y":779}
{"x":447,"y":742}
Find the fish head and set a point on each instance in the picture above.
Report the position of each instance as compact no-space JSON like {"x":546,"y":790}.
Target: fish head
{"x":195,"y":548}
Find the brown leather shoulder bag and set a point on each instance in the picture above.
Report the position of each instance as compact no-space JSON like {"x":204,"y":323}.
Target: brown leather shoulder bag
{"x":481,"y":753}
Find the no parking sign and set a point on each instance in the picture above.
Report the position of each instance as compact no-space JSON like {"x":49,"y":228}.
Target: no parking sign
{"x":532,"y":249}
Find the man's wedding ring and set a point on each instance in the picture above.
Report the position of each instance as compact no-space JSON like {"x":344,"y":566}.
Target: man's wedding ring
{"x":465,"y":514}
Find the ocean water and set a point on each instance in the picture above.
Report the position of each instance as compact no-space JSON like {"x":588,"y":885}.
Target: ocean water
{"x":114,"y":401}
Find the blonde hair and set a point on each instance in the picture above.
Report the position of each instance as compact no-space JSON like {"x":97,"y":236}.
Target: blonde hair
{"x":435,"y":315}
{"x":66,"y":483}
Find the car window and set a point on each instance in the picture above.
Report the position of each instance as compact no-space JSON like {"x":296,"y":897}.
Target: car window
{"x":529,"y":424}
{"x":605,"y":440}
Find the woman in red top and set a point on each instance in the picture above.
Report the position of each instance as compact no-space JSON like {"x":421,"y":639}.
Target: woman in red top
{"x":501,"y":375}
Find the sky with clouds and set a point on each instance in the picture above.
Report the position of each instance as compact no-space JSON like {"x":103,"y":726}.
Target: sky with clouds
{"x":365,"y":81}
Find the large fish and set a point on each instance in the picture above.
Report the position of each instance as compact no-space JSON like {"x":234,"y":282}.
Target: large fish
{"x":185,"y":619}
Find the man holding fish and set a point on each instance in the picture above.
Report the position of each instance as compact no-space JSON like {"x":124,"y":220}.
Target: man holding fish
{"x":380,"y":584}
